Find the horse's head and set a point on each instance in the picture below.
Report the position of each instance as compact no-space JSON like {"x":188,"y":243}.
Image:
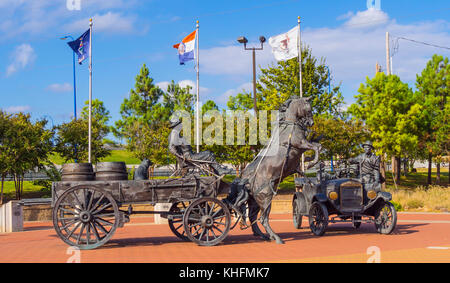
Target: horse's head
{"x":301,"y":106}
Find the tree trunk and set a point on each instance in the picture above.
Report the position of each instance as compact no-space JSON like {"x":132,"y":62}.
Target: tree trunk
{"x":438,"y":173}
{"x":398,"y":163}
{"x":383,"y":172}
{"x":429,"y":168}
{"x":1,"y":194}
{"x":405,"y":167}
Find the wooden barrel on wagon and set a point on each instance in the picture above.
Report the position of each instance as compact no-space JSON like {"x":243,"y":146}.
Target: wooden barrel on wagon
{"x":77,"y":172}
{"x":111,"y":171}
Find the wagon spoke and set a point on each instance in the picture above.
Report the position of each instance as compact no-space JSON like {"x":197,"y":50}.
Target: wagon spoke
{"x":103,"y":221}
{"x":68,"y":218}
{"x":91,"y":198}
{"x":97,"y":203}
{"x":75,"y":228}
{"x":201,"y":235}
{"x":79,"y":235}
{"x":220,"y":223}
{"x":100,"y":226}
{"x":88,"y":228}
{"x":212,"y":231}
{"x":77,"y":200}
{"x":68,"y":211}
{"x":212,"y":208}
{"x":217,"y":228}
{"x":68,"y":224}
{"x":97,"y":236}
{"x":103,"y":208}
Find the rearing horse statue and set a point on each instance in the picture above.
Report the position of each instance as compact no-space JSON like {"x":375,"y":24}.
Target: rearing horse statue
{"x":279,"y":159}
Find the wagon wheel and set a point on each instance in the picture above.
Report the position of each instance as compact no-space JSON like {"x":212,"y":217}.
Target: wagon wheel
{"x":386,"y":219}
{"x":85,"y":217}
{"x":207,"y":221}
{"x":318,"y":218}
{"x":176,"y":221}
{"x":296,"y":215}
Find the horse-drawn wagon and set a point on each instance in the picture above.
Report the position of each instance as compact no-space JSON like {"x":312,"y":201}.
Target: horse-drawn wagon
{"x":87,"y":213}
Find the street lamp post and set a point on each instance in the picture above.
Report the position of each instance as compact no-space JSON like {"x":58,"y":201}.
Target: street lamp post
{"x":243,"y":40}
{"x":329,"y":91}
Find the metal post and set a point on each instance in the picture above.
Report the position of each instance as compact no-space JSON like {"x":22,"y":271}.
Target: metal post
{"x":198,"y":93}
{"x":388,"y":55}
{"x":90,"y":89}
{"x":329,"y":91}
{"x":255,"y":107}
{"x":299,"y":43}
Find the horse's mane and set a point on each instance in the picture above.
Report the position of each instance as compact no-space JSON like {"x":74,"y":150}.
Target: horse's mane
{"x":285,"y":106}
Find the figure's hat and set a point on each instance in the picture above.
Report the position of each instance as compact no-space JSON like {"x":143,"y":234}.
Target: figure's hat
{"x":174,"y":121}
{"x":368,"y":143}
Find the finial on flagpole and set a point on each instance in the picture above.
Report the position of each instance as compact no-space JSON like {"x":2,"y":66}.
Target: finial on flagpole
{"x":90,"y":21}
{"x":197,"y":23}
{"x":298,"y":18}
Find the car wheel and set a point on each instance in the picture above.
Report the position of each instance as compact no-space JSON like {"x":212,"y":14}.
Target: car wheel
{"x":386,"y":219}
{"x":297,"y":217}
{"x":318,"y":218}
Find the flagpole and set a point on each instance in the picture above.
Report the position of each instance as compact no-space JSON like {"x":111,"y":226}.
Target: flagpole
{"x":198,"y":92}
{"x":299,"y":43}
{"x":90,"y":89}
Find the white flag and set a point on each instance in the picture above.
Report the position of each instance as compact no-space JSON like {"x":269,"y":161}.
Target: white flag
{"x":285,"y":46}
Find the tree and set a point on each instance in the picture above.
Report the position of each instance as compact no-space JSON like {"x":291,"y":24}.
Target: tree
{"x":6,"y":156}
{"x":433,"y":87}
{"x":145,"y":117}
{"x":142,"y":105}
{"x":342,"y":136}
{"x":390,"y":111}
{"x":30,"y":145}
{"x":72,"y":141}
{"x":281,"y":80}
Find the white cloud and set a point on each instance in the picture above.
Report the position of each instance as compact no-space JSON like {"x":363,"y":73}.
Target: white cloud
{"x":368,"y":18}
{"x":36,"y":18}
{"x":232,"y":60}
{"x":22,"y":56}
{"x":109,"y":22}
{"x":247,"y":87}
{"x":65,"y":87}
{"x":183,"y":83}
{"x":16,"y":109}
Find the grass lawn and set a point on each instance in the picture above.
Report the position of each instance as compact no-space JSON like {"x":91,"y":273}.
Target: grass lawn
{"x":116,"y":156}
{"x":410,"y":194}
{"x":29,"y":191}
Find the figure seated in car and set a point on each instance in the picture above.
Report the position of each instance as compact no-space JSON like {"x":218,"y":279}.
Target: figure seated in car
{"x":369,"y":166}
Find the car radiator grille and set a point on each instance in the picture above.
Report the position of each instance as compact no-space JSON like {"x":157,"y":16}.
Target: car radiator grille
{"x":351,"y":196}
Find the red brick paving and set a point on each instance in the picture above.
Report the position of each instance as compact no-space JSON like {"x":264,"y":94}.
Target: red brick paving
{"x":141,"y":241}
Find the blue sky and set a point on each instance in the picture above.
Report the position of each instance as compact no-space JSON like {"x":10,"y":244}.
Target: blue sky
{"x":36,"y":66}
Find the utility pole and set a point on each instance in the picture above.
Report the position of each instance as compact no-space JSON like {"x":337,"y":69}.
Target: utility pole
{"x":388,"y":55}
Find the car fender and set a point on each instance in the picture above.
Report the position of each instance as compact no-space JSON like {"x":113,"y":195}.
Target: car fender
{"x":320,"y":198}
{"x":386,"y":196}
{"x":300,"y":198}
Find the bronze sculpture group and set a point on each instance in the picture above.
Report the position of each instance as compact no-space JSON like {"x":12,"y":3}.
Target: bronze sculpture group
{"x":259,"y":180}
{"x":86,"y":212}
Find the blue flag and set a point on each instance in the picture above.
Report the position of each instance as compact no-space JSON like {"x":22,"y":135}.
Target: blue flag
{"x":81,"y":46}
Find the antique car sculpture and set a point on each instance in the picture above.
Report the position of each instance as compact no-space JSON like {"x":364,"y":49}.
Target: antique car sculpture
{"x":342,"y":197}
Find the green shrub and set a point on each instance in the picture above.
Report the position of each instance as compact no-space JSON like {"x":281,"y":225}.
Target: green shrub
{"x":397,"y":206}
{"x":415,"y":203}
